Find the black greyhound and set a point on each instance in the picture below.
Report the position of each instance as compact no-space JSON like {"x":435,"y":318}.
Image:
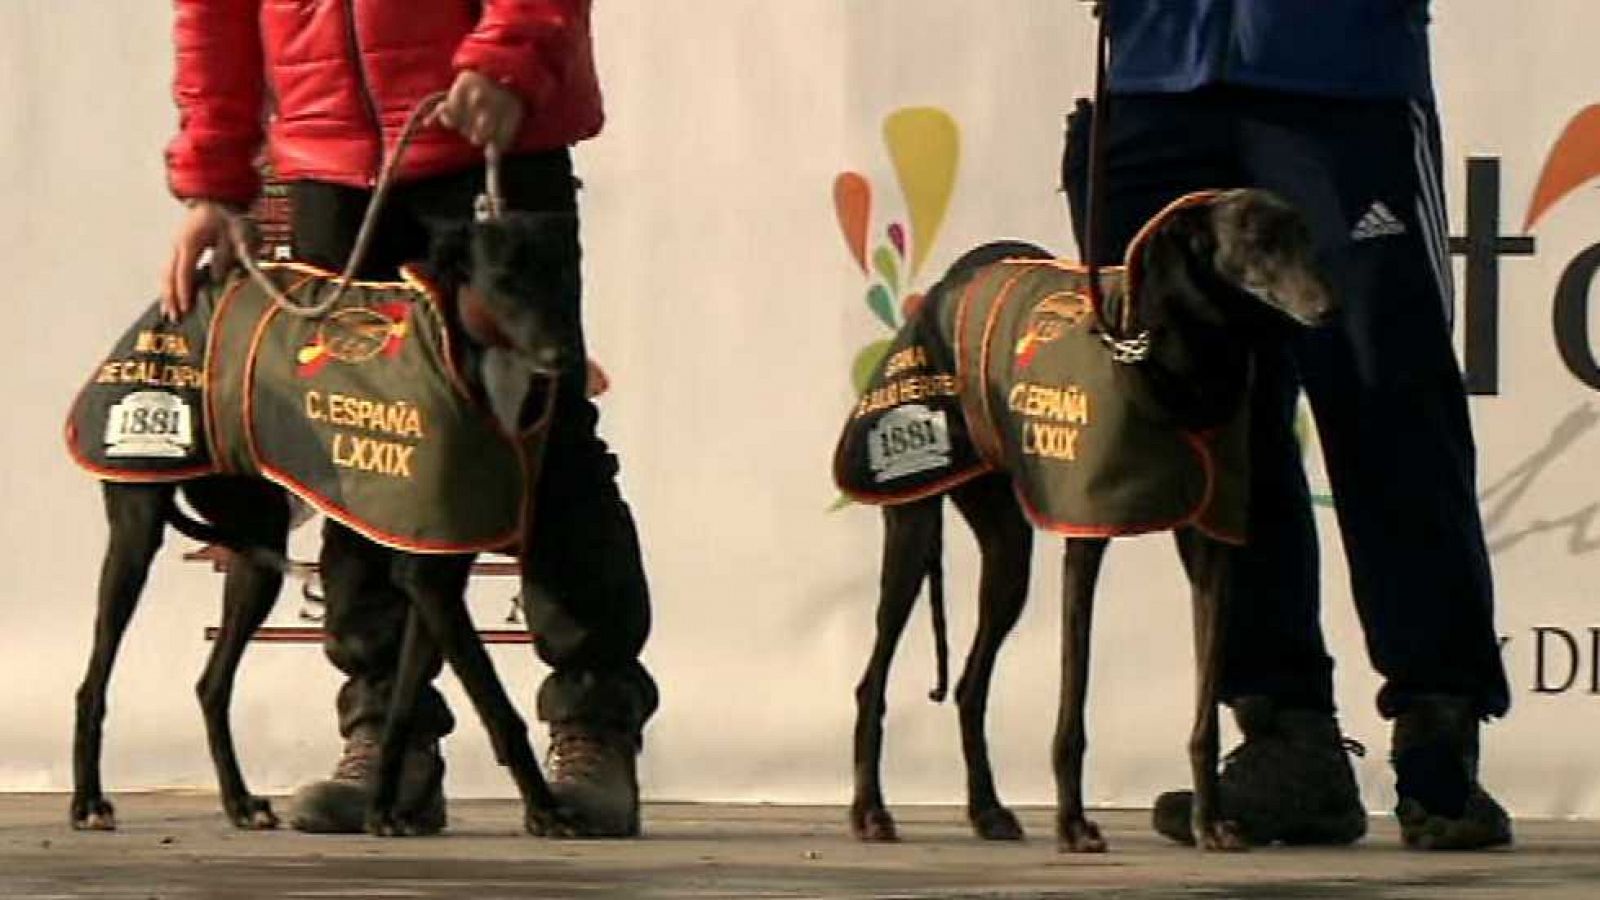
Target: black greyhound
{"x":1210,"y":272}
{"x":514,"y":286}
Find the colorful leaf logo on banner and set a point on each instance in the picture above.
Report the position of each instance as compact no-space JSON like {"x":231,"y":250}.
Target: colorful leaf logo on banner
{"x":1573,"y":161}
{"x":852,"y":203}
{"x":924,"y":146}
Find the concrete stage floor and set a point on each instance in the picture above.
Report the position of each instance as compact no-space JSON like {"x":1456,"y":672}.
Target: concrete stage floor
{"x":174,"y":846}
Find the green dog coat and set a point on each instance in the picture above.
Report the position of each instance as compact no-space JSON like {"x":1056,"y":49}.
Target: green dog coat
{"x":360,"y":412}
{"x":1011,"y":374}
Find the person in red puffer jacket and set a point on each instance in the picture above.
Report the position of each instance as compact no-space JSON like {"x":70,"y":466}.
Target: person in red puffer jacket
{"x":327,"y":85}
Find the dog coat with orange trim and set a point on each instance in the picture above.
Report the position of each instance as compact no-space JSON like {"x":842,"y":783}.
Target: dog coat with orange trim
{"x":1011,"y":374}
{"x":360,"y":412}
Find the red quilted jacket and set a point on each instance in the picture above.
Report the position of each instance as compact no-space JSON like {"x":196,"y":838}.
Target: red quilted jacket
{"x":343,"y":75}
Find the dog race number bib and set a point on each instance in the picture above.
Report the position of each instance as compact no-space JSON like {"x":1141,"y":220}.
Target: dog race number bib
{"x":150,"y":425}
{"x":139,"y":416}
{"x":906,"y":437}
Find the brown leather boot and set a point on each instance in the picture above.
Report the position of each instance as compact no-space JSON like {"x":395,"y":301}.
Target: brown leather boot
{"x":338,"y":805}
{"x":592,"y":773}
{"x":1288,"y":782}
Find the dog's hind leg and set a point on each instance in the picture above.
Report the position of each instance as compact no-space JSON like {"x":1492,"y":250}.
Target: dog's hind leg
{"x":134,"y":515}
{"x":1207,"y":563}
{"x":1005,"y":541}
{"x":258,"y":514}
{"x":437,"y":587}
{"x":911,"y":545}
{"x":1080,"y":570}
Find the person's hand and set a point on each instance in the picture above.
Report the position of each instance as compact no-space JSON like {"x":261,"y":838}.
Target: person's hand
{"x":484,"y":112}
{"x":595,"y":381}
{"x":204,"y":227}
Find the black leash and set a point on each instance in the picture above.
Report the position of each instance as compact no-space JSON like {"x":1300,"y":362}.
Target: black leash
{"x":1094,"y":203}
{"x":1125,"y":348}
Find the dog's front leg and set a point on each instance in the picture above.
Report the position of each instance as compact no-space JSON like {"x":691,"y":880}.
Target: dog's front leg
{"x":437,"y":587}
{"x":417,"y":653}
{"x":1080,"y":570}
{"x":1208,"y":563}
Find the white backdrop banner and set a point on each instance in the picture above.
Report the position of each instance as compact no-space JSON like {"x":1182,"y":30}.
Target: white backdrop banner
{"x":777,"y":180}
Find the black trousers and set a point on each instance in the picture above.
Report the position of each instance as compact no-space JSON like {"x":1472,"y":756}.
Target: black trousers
{"x":1383,"y":384}
{"x":587,"y":602}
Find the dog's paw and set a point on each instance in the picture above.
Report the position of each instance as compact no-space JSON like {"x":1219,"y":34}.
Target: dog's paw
{"x":873,"y":824}
{"x":1223,"y":836}
{"x":1079,"y":836}
{"x":253,"y":814}
{"x":387,"y":824}
{"x":93,"y":815}
{"x":559,"y":823}
{"x":996,"y":824}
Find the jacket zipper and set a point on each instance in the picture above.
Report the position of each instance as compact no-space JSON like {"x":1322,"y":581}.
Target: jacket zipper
{"x":364,"y":88}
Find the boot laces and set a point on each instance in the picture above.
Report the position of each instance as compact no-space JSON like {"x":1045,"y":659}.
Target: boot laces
{"x":356,"y":763}
{"x":1346,"y":743}
{"x":577,"y":754}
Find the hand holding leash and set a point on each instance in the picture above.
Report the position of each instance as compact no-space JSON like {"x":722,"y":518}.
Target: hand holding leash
{"x":205,"y":226}
{"x":488,"y":206}
{"x":483,"y":112}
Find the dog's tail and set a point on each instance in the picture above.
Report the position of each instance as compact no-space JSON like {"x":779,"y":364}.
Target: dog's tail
{"x":941,"y":638}
{"x":206,"y":533}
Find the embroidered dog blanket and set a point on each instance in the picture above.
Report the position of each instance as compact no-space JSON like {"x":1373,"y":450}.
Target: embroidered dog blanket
{"x":1011,"y":374}
{"x":360,"y":412}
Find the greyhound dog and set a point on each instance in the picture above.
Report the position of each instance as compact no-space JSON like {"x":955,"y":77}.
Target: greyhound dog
{"x":507,"y":288}
{"x":1171,"y":336}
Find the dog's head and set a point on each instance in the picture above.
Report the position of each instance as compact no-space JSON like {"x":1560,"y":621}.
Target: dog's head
{"x":518,"y":279}
{"x":1217,"y":276}
{"x":1260,"y":246}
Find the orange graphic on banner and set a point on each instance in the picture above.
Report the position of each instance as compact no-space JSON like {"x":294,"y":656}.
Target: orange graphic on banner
{"x":1573,"y":161}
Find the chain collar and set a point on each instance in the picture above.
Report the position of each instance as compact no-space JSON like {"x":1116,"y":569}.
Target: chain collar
{"x":1128,"y":350}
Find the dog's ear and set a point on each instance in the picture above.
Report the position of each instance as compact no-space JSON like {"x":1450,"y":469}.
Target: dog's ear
{"x":526,"y":273}
{"x":1263,"y":247}
{"x":528,"y":242}
{"x":1176,"y":250}
{"x":449,"y":249}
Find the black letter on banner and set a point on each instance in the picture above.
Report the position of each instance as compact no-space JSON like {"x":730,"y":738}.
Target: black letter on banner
{"x":1594,"y":659}
{"x":1483,"y":245}
{"x":1570,"y":317}
{"x":1540,"y":631}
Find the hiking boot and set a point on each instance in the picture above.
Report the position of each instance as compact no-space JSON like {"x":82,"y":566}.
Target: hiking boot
{"x":592,"y":774}
{"x":1288,"y":782}
{"x":1435,"y":756}
{"x":339,"y":804}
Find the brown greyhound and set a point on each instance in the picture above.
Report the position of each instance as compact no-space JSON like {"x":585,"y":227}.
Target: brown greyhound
{"x":1031,"y":403}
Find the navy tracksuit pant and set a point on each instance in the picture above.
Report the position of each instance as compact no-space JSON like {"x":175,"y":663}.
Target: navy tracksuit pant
{"x":1382,"y":381}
